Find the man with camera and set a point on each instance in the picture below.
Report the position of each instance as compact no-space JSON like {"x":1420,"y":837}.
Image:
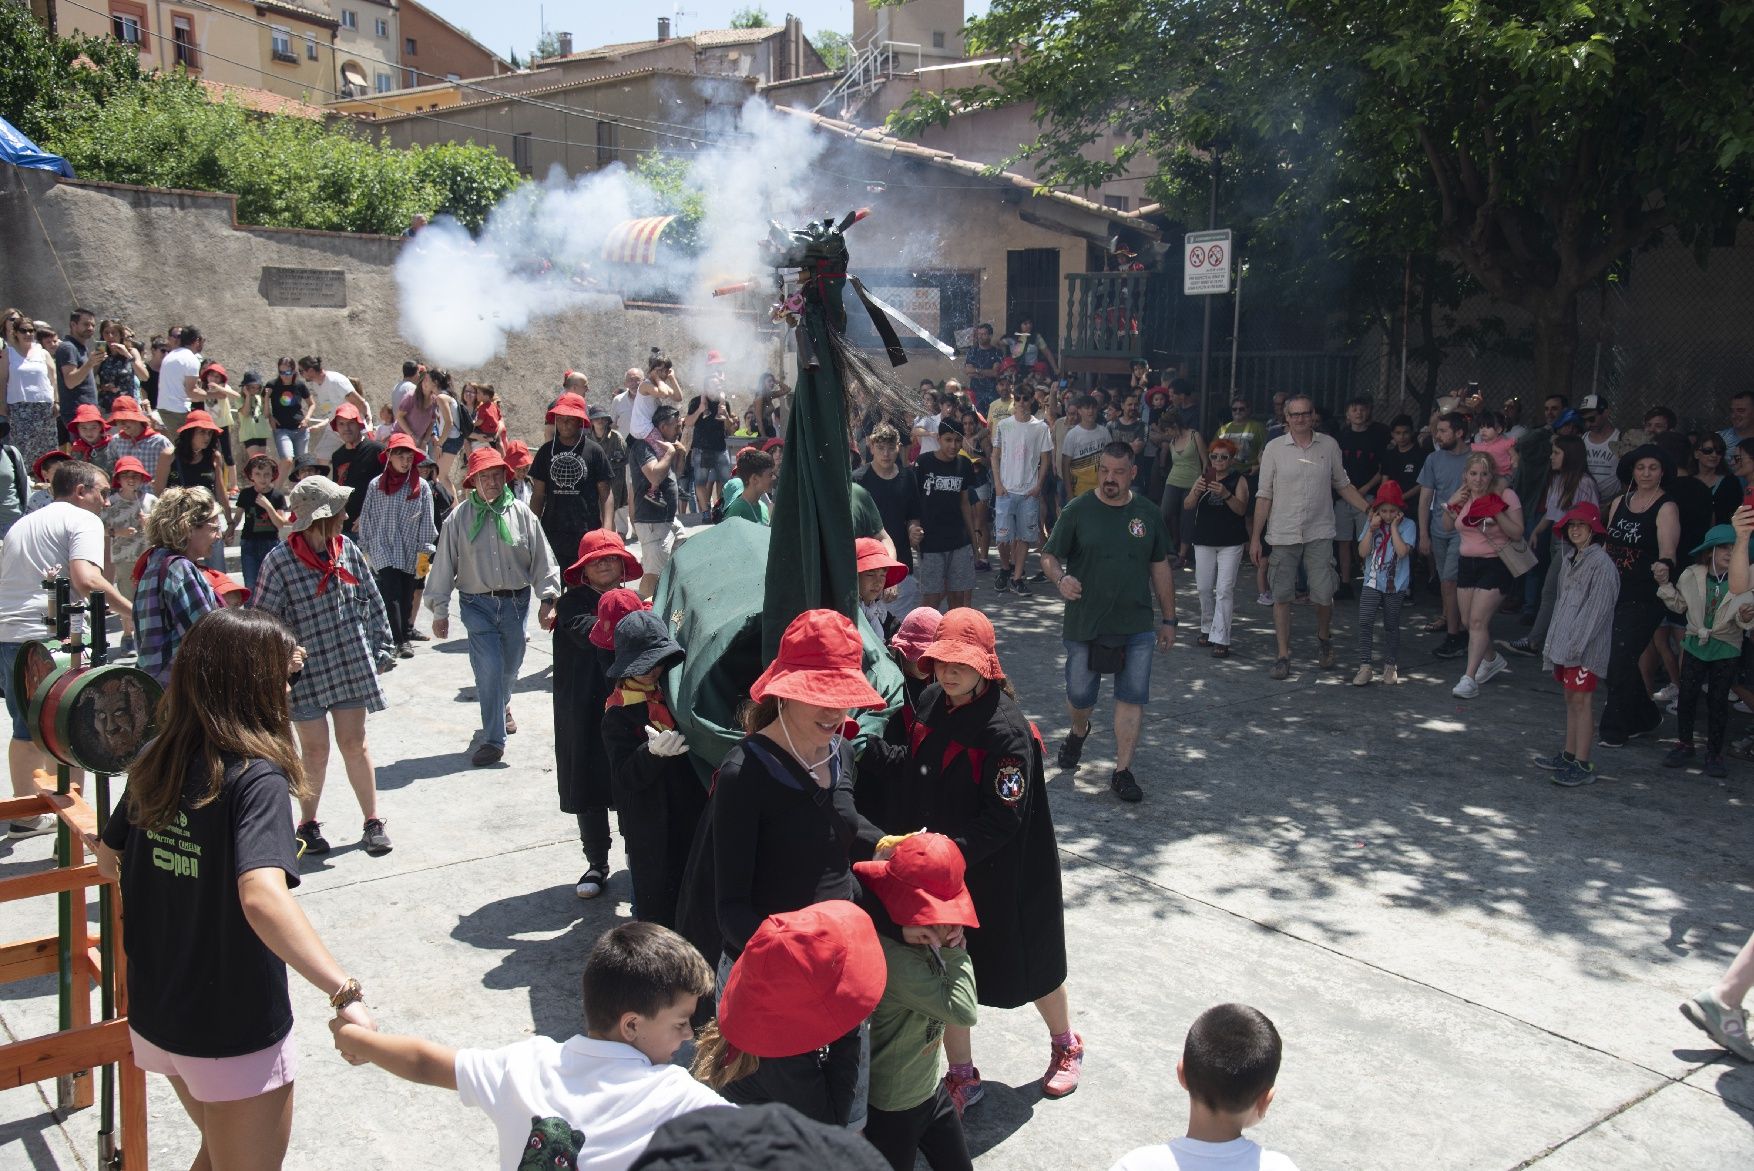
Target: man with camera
{"x":1108,"y":554}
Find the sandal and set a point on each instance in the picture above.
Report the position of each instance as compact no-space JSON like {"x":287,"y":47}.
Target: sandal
{"x":592,"y":882}
{"x":1220,"y":651}
{"x":1204,"y":640}
{"x":1437,"y":625}
{"x":1281,"y":669}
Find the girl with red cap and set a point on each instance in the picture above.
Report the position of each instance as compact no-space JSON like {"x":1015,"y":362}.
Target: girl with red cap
{"x":970,"y":768}
{"x":1385,"y":553}
{"x":1579,"y":643}
{"x":396,"y":525}
{"x":91,"y":437}
{"x":584,"y":644}
{"x":133,"y":435}
{"x":124,"y":520}
{"x":907,"y":646}
{"x":793,"y":1011}
{"x":196,"y":462}
{"x":930,"y":987}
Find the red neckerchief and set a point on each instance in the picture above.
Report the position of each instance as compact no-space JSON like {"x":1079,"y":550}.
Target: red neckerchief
{"x":391,"y":482}
{"x":82,"y":448}
{"x":330,"y":568}
{"x":632,"y":692}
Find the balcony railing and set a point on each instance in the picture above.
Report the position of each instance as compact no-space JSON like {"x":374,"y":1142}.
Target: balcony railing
{"x":1105,"y":315}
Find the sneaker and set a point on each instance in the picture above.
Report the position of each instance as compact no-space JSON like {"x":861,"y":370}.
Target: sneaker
{"x":1558,"y":761}
{"x":1019,"y":588}
{"x":1453,"y":646}
{"x":404,"y":651}
{"x":1038,"y":578}
{"x":1467,"y":688}
{"x":1002,"y":582}
{"x":1263,"y":598}
{"x":592,"y":882}
{"x":486,"y":754}
{"x":1071,"y":750}
{"x":1665,"y":694}
{"x":1391,"y":677}
{"x":1065,"y":1067}
{"x":1362,"y":679}
{"x":964,"y":1091}
{"x":377,"y":841}
{"x":1679,"y":755}
{"x":1727,"y":1026}
{"x":416,"y":636}
{"x":1743,"y":747}
{"x":1496,"y":665}
{"x":1714,"y":766}
{"x":1580,"y":772}
{"x":1125,"y":787}
{"x":126,"y":646}
{"x":1607,"y":742}
{"x":983,"y":566}
{"x":311,"y":839}
{"x":1325,"y":658}
{"x":30,"y":827}
{"x":1281,"y":669}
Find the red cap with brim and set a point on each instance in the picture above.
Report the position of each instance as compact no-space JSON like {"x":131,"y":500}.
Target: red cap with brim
{"x":128,"y":464}
{"x":480,"y":460}
{"x":199,"y":421}
{"x":40,"y":469}
{"x":916,"y":632}
{"x":1389,"y":493}
{"x":344,"y":411}
{"x":871,"y":554}
{"x":214,"y":368}
{"x":805,"y":979}
{"x":966,"y":636}
{"x":570,"y":405}
{"x":819,"y":662}
{"x":1587,"y":514}
{"x":126,"y":409}
{"x":922,"y":883}
{"x":87,"y":413}
{"x":517,"y":455}
{"x":612,"y":607}
{"x":596,"y":545}
{"x":400,"y":441}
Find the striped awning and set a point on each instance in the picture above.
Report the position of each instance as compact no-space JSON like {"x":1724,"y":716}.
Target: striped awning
{"x":635,"y":241}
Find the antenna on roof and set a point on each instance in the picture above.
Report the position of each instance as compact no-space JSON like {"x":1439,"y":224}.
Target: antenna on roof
{"x":677,"y":14}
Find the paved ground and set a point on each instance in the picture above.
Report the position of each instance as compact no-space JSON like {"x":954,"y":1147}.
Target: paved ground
{"x":1471,"y":968}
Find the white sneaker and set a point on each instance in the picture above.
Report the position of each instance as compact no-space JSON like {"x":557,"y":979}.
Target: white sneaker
{"x":1674,"y":708}
{"x":1739,"y":706}
{"x":1496,"y":665}
{"x":1664,"y":695}
{"x":1466,"y":689}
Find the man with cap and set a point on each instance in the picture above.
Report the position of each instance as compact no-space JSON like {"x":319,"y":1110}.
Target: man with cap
{"x":1603,"y":444}
{"x":656,"y":493}
{"x":574,"y":383}
{"x":710,"y":458}
{"x":357,"y":461}
{"x":493,"y":553}
{"x":571,"y":482}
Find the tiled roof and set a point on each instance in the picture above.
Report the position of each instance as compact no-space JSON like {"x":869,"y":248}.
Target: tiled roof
{"x":263,"y":101}
{"x":891,"y":146}
{"x":297,"y":12}
{"x":473,"y":98}
{"x":713,"y":38}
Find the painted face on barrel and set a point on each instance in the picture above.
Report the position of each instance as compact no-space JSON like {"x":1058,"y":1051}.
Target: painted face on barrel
{"x":119,"y":717}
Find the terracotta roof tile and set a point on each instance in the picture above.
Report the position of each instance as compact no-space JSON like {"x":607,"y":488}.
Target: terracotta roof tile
{"x":263,"y":101}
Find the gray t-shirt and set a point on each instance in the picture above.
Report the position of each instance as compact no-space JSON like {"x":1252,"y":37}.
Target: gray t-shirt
{"x":1442,"y":473}
{"x":14,"y":488}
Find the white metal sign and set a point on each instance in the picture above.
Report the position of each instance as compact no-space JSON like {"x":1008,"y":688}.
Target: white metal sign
{"x":1206,"y":262}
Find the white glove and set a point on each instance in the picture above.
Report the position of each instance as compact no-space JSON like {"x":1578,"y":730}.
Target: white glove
{"x":669,"y":743}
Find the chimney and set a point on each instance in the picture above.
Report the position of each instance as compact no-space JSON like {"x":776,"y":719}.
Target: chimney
{"x":565,"y":40}
{"x":663,"y":28}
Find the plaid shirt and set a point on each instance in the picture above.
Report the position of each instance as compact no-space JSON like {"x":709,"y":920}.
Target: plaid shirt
{"x":172,"y":593}
{"x":394,"y":530}
{"x":345,"y":630}
{"x":147,"y":449}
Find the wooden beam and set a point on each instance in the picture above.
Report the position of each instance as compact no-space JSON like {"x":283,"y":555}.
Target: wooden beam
{"x":48,"y":882}
{"x":73,"y":1051}
{"x":27,"y":958}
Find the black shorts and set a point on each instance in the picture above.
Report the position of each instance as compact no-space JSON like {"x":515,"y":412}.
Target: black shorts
{"x":1483,"y":573}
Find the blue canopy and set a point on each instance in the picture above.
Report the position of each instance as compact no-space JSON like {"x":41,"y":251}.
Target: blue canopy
{"x":20,"y":151}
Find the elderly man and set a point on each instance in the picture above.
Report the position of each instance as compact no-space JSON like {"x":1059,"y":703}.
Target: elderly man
{"x":493,"y":553}
{"x":1108,"y":554}
{"x":1301,"y":473}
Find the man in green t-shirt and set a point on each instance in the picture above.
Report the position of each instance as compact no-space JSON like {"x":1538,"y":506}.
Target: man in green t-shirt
{"x":1107,"y":555}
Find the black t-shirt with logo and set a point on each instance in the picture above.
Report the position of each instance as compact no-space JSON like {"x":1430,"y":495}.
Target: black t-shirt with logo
{"x":898,"y":502}
{"x":941,"y":487}
{"x":569,"y":474}
{"x":256,"y":522}
{"x":639,"y":454}
{"x":201,"y":983}
{"x":1361,"y":452}
{"x":357,"y":467}
{"x":1403,"y":467}
{"x":287,"y":402}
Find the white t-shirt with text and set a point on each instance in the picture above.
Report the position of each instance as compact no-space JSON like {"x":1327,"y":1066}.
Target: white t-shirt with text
{"x":1191,"y":1154}
{"x":1604,"y":463}
{"x":42,"y":544}
{"x":1020,"y":446}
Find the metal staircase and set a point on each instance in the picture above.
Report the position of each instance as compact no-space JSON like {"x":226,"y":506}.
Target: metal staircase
{"x":865,"y":74}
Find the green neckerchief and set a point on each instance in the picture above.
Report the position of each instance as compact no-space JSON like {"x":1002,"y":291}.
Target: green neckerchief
{"x":497,"y":510}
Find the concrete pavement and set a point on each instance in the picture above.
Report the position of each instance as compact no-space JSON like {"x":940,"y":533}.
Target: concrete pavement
{"x":1470,"y":967}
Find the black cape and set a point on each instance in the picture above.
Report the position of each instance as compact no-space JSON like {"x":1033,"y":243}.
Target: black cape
{"x":658,"y":801}
{"x":974,"y":774}
{"x":581,"y":766}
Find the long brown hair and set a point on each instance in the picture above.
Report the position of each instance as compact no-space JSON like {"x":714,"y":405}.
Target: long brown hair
{"x":227,"y":697}
{"x":711,"y":1051}
{"x":1574,"y":461}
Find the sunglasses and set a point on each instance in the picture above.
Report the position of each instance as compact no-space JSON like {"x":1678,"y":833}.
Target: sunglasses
{"x":1709,"y":450}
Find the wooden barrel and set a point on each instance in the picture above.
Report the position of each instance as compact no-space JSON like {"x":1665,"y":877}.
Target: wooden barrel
{"x":36,"y":661}
{"x":95,"y":718}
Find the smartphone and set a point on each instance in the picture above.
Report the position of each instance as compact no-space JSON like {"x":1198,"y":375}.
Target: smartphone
{"x":1748,"y":498}
{"x":1210,"y":473}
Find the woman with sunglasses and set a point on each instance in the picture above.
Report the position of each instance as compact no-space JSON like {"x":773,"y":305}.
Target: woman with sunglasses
{"x":1714,"y":471}
{"x":1218,"y":504}
{"x":30,"y":386}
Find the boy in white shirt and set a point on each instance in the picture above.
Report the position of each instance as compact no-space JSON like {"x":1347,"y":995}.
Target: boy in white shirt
{"x":1229,"y":1064}
{"x":599,"y":1095}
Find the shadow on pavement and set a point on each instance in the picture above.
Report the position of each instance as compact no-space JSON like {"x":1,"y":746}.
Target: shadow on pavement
{"x":548,"y":964}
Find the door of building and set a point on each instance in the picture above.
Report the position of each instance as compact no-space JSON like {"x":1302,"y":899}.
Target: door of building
{"x":1032,"y":290}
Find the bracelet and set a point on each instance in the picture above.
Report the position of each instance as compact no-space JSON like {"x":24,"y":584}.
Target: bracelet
{"x":1168,"y":622}
{"x":348,"y":993}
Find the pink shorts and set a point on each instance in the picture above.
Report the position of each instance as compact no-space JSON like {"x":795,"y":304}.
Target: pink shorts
{"x":222,"y":1079}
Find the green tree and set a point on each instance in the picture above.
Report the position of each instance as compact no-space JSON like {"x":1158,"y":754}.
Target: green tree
{"x":1534,"y":145}
{"x":749,"y":17}
{"x":834,"y":47}
{"x":547,"y":45}
{"x":673,"y":192}
{"x":40,"y":85}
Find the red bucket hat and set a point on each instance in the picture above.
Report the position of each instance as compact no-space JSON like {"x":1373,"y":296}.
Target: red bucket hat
{"x":223,"y":583}
{"x":40,"y":469}
{"x":480,"y":460}
{"x":965,"y":636}
{"x":770,"y":444}
{"x":820,"y":662}
{"x":870,"y":554}
{"x":128,"y":464}
{"x":126,"y":409}
{"x":199,"y":420}
{"x":1389,"y":492}
{"x":517,"y":455}
{"x":612,"y":607}
{"x":400,"y":441}
{"x":1585,"y":513}
{"x":87,"y":413}
{"x":345,"y":411}
{"x":597,"y":544}
{"x":214,"y":368}
{"x":922,"y":882}
{"x":714,"y":358}
{"x":805,"y":979}
{"x":570,"y":404}
{"x":916,"y":632}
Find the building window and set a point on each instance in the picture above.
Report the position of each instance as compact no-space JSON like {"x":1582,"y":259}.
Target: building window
{"x":937,"y":40}
{"x":183,"y":33}
{"x":1118,"y":202}
{"x":349,"y":19}
{"x":383,"y":83}
{"x":310,"y":47}
{"x":282,"y":43}
{"x":521,"y":158}
{"x":606,"y":143}
{"x":381,"y":28}
{"x":128,"y":24}
{"x":408,"y":47}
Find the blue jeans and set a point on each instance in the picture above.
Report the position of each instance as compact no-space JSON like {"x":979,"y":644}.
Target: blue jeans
{"x":255,"y":550}
{"x":17,"y":706}
{"x":290,"y":442}
{"x":496,"y":651}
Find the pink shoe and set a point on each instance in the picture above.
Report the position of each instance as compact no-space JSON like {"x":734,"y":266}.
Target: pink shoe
{"x":1064,"y":1069}
{"x":964,"y":1091}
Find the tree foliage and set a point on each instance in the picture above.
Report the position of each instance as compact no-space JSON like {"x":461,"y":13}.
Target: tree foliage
{"x":750,"y":16}
{"x":1533,"y":145}
{"x":834,"y":47}
{"x":547,"y":45}
{"x":669,"y":180}
{"x":116,"y":125}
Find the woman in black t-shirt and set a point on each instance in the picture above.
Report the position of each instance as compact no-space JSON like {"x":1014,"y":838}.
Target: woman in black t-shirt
{"x":202,"y":842}
{"x":196,"y":462}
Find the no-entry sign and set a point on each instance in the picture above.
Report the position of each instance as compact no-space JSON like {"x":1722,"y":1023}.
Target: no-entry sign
{"x":1206,"y":262}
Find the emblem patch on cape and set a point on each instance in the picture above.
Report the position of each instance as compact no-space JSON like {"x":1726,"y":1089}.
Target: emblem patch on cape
{"x":1136,"y":527}
{"x":1008,"y":781}
{"x":552,"y":1143}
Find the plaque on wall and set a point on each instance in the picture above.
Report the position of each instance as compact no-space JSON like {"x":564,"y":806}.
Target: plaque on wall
{"x":305,"y":288}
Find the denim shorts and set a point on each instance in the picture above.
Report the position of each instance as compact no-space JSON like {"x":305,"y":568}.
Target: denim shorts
{"x":1132,"y":684}
{"x":17,"y":706}
{"x":301,"y":715}
{"x":710,"y":467}
{"x":1446,"y":553}
{"x":290,"y":442}
{"x":1016,"y":517}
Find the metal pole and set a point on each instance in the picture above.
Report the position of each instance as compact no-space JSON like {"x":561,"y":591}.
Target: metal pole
{"x":1206,"y":332}
{"x":1235,"y":325}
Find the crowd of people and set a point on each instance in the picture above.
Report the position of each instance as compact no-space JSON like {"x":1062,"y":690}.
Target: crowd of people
{"x":825,"y":976}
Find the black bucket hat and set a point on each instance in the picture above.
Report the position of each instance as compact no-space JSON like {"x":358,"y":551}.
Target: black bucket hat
{"x":642,"y":645}
{"x":1623,"y":470}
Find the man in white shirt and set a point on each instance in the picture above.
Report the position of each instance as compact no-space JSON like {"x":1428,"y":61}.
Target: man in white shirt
{"x":1603,"y":446}
{"x":329,"y":390}
{"x":64,"y":536}
{"x":179,"y":379}
{"x":1022,"y":448}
